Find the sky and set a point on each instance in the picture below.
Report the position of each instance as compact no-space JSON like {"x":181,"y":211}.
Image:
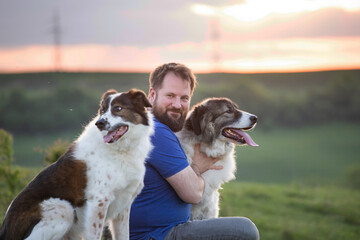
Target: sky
{"x":208,"y":36}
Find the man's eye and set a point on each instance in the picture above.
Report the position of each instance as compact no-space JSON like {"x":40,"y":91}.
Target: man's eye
{"x":117,"y":109}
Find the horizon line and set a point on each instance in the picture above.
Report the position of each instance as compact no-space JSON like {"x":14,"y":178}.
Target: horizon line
{"x":105,"y":70}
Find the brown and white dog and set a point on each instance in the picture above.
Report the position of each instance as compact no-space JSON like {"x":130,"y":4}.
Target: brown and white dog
{"x":217,"y":124}
{"x":94,"y":182}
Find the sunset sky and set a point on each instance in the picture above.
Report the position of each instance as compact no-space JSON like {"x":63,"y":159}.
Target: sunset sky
{"x":138,"y":35}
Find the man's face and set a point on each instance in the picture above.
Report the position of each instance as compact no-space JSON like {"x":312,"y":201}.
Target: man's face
{"x":170,"y":103}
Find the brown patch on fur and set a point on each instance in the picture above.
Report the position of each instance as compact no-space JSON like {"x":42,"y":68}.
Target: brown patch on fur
{"x":101,"y":216}
{"x":105,"y":100}
{"x":133,"y":104}
{"x":65,"y":179}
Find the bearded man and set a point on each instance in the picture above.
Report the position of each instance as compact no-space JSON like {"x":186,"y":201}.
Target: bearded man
{"x":171,"y":185}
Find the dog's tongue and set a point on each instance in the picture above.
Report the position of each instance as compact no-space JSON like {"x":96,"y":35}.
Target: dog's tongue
{"x":114,"y":135}
{"x":246,"y":137}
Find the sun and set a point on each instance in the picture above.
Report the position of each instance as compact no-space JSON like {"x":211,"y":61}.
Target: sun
{"x":254,"y":10}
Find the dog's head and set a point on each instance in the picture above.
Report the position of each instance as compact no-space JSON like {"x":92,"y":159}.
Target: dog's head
{"x":118,"y":111}
{"x":221,"y":119}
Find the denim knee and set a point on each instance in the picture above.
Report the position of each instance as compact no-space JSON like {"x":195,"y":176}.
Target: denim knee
{"x":248,"y":229}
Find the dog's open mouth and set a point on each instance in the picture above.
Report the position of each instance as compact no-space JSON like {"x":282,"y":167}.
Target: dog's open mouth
{"x":114,"y":135}
{"x":239,"y":136}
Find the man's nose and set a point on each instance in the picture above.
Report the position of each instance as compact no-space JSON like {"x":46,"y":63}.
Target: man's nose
{"x":176,"y":103}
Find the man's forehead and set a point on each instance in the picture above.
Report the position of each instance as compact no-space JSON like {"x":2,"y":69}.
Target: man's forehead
{"x":176,"y":89}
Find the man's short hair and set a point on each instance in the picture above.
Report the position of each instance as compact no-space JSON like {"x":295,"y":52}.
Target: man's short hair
{"x":157,"y":76}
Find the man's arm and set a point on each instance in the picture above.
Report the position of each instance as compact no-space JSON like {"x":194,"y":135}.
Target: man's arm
{"x":188,"y":183}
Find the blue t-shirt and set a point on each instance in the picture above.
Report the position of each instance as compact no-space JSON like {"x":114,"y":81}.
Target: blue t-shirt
{"x":158,"y":208}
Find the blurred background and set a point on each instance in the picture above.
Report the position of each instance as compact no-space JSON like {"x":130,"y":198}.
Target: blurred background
{"x":295,"y":64}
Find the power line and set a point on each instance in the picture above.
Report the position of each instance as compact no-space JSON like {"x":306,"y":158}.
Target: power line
{"x":57,"y":41}
{"x":215,"y":35}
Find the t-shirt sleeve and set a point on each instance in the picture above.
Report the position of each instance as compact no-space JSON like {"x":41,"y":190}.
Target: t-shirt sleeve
{"x":167,"y":156}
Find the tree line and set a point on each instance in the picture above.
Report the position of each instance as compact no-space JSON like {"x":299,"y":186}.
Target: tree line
{"x":69,"y":107}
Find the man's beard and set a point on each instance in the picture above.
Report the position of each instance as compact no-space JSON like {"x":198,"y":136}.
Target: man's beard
{"x":163,"y":116}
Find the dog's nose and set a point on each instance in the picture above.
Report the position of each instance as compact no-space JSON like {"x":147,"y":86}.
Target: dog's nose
{"x":253,"y":119}
{"x":100,"y":124}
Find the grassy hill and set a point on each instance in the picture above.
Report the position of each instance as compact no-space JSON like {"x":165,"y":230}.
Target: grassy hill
{"x":292,"y":186}
{"x":295,"y":212}
{"x":313,"y":154}
{"x":285,"y":212}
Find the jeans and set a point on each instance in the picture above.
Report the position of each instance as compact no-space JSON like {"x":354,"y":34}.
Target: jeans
{"x":215,"y":228}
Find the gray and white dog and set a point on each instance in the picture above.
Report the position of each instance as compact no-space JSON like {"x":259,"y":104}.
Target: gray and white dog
{"x":217,"y":124}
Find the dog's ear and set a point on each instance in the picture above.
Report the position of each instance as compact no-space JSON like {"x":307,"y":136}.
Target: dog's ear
{"x":104,"y":102}
{"x":107,"y":93}
{"x":209,"y":133}
{"x":194,"y":121}
{"x":139,"y":98}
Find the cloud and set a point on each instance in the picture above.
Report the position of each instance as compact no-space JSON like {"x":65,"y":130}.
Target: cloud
{"x":142,"y":23}
{"x":322,"y":23}
{"x":153,"y":23}
{"x":139,"y":35}
{"x":298,"y":54}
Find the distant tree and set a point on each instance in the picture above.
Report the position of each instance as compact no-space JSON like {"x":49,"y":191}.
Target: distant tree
{"x":55,"y":150}
{"x":10,"y":178}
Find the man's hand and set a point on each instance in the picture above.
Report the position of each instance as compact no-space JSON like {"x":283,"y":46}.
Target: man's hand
{"x":188,"y":183}
{"x":202,"y":163}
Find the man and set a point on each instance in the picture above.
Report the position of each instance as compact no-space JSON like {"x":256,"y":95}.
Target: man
{"x":162,"y":209}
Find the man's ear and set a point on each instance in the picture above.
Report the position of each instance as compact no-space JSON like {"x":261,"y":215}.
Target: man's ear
{"x":152,"y":95}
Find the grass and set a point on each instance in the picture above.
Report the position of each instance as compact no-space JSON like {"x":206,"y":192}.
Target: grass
{"x":28,"y":148}
{"x":301,"y":164}
{"x":285,"y":212}
{"x":316,"y":154}
{"x":295,"y":212}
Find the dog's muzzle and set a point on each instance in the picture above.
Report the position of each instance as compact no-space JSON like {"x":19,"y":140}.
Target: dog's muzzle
{"x":101,"y":124}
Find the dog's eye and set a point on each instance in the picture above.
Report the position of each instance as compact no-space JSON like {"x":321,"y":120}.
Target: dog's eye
{"x":117,"y":109}
{"x":102,"y":111}
{"x":229,"y":111}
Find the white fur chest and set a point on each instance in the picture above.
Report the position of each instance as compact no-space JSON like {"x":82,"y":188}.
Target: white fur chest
{"x":218,"y":149}
{"x":108,"y":176}
{"x":114,"y":171}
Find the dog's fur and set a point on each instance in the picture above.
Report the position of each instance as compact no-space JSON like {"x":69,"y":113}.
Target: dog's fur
{"x":94,"y":182}
{"x":215,"y":123}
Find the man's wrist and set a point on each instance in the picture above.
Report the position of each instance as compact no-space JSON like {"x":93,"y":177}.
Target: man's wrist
{"x":196,"y":169}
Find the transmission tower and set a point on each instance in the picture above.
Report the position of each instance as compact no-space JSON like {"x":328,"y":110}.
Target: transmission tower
{"x":57,"y":41}
{"x":215,"y":41}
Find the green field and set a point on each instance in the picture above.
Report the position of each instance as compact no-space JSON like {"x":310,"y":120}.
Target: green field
{"x":294,"y":186}
{"x":315,"y":155}
{"x":289,"y":212}
{"x":295,"y":212}
{"x":28,"y":148}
